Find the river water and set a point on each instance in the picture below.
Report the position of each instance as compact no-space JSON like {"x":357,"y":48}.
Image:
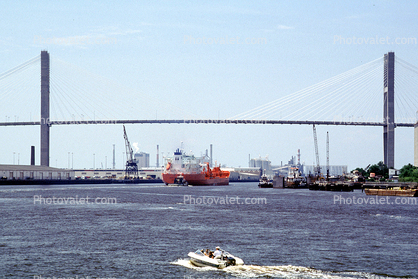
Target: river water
{"x":146,"y":231}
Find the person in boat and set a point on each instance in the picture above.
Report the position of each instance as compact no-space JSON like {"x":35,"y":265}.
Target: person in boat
{"x":211,"y":255}
{"x":207,"y":252}
{"x":218,"y":253}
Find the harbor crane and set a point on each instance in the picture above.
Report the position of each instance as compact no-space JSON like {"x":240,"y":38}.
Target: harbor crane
{"x":318,"y":167}
{"x":131,"y":164}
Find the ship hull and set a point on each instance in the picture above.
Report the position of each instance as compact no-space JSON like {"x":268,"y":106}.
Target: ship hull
{"x":198,"y":179}
{"x":265,"y":185}
{"x":388,"y":192}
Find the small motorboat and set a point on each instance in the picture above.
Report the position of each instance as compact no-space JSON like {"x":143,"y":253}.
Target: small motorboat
{"x":265,"y":182}
{"x":179,"y":181}
{"x":199,"y":259}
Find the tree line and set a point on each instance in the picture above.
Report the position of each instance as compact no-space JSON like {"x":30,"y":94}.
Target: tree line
{"x":407,"y":173}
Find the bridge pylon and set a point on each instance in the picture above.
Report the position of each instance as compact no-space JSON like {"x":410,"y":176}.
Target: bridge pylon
{"x":45,"y":121}
{"x":389,"y":110}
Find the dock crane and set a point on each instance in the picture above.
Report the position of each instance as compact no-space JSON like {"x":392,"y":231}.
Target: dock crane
{"x":318,"y":167}
{"x":131,"y":164}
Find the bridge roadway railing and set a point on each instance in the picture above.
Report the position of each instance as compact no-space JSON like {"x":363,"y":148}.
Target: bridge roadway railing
{"x":203,"y":121}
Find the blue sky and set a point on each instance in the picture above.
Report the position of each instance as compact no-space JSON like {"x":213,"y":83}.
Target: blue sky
{"x":149,"y":47}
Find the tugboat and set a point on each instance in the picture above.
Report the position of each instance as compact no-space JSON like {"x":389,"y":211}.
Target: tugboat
{"x":265,"y":182}
{"x":294,"y":179}
{"x":179,"y":181}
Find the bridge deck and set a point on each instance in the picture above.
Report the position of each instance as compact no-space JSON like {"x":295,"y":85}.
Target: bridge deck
{"x":203,"y":121}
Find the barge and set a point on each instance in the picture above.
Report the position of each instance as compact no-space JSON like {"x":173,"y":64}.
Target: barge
{"x":391,"y":189}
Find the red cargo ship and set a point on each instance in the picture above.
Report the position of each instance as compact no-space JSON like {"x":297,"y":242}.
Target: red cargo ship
{"x":194,"y":171}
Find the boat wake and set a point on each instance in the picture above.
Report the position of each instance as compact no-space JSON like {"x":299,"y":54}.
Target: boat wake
{"x":284,"y":271}
{"x":188,"y":264}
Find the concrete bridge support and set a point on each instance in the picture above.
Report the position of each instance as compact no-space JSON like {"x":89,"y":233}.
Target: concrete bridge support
{"x":45,"y":108}
{"x":389,"y":109}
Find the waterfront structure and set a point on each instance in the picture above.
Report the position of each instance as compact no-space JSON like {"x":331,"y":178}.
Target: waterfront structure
{"x":244,"y":174}
{"x":334,"y":170}
{"x":261,"y":163}
{"x":142,"y":159}
{"x":143,"y":173}
{"x":31,"y":172}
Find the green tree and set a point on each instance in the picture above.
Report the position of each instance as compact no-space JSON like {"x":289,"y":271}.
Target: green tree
{"x":379,"y":169}
{"x":408,"y":173}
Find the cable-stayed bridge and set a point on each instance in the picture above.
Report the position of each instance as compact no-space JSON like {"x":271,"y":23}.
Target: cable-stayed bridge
{"x":71,"y":96}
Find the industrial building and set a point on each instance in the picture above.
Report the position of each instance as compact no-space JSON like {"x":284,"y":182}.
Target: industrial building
{"x":144,"y":173}
{"x":243,"y":174}
{"x":334,"y":170}
{"x":261,"y":163}
{"x":29,"y":172}
{"x":142,"y":159}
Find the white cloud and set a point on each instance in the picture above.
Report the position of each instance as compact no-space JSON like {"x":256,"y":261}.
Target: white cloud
{"x":284,"y":27}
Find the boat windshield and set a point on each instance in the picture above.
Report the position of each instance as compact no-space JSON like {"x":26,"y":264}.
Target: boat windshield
{"x":199,"y":252}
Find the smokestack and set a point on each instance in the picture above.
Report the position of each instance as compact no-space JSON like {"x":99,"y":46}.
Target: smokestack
{"x":211,"y":155}
{"x":158,"y":155}
{"x":114,"y":162}
{"x":32,"y":155}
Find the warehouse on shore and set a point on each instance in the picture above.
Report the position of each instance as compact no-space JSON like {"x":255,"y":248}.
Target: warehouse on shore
{"x":32,"y":172}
